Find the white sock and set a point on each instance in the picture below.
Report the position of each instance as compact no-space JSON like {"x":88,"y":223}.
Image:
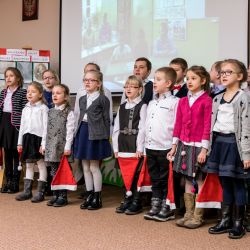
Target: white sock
{"x":97,"y":175}
{"x":87,"y":175}
{"x":30,"y":171}
{"x":42,"y":170}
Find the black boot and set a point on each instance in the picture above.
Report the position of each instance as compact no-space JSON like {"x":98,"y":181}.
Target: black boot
{"x":247,"y":218}
{"x":155,"y":209}
{"x":225,"y":224}
{"x":62,"y":199}
{"x":7,"y":186}
{"x":54,"y":198}
{"x":41,"y":186}
{"x":27,"y":193}
{"x":124,"y":204}
{"x":88,"y":200}
{"x":165,"y":214}
{"x":238,"y":230}
{"x":135,"y":207}
{"x":14,"y":188}
{"x":48,"y":191}
{"x":96,"y":202}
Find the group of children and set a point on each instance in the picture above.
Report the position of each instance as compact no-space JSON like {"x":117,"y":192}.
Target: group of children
{"x":172,"y":119}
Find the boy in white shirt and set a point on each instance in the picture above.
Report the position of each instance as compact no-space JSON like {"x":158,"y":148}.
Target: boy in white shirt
{"x":159,"y":126}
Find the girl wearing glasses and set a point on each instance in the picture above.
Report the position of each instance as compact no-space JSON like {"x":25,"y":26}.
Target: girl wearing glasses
{"x":50,"y":79}
{"x":92,"y":136}
{"x":128,"y":137}
{"x":230,"y":154}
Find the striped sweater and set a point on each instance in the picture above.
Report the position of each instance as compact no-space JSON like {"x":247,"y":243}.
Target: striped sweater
{"x":18,"y":102}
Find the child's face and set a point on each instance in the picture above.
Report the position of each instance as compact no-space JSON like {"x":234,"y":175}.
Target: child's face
{"x":141,"y":70}
{"x":58,"y":96}
{"x":132,"y":90}
{"x":49,"y":80}
{"x":194,"y":82}
{"x":229,"y":75}
{"x":179,"y":71}
{"x":161,"y":84}
{"x":91,"y":82}
{"x":33,"y":95}
{"x":11,"y":79}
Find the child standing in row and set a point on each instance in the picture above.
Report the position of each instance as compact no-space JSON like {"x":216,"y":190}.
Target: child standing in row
{"x":12,"y":102}
{"x":161,"y":113}
{"x":31,"y":138}
{"x":180,"y":87}
{"x":129,"y":135}
{"x":50,"y":79}
{"x":191,"y":138}
{"x":60,"y":132}
{"x":230,"y":154}
{"x":92,"y":137}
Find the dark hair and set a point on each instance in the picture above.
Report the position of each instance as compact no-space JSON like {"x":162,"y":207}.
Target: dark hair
{"x":97,"y":67}
{"x":38,"y":86}
{"x":17,"y":74}
{"x":180,"y":61}
{"x":239,"y":65}
{"x":169,"y":73}
{"x":66,"y":93}
{"x":203,"y":74}
{"x":217,"y":65}
{"x":144,"y":59}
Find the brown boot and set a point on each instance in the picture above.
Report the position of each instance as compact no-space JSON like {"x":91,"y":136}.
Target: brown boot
{"x":189,"y":205}
{"x":197,"y":220}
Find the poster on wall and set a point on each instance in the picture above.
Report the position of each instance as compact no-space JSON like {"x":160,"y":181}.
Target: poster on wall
{"x":26,"y":71}
{"x":38,"y":69}
{"x":4,"y":66}
{"x":2,"y":84}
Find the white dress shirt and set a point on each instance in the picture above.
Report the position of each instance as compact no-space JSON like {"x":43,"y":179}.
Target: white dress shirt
{"x":7,"y":106}
{"x":90,"y":98}
{"x":141,"y":127}
{"x":161,"y":115}
{"x":34,"y":121}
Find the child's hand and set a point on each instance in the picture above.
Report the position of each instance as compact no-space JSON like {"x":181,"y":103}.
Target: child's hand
{"x":19,"y":148}
{"x":67,"y":152}
{"x":171,"y":153}
{"x":41,"y":150}
{"x":138,"y":154}
{"x":246,"y":164}
{"x":116,"y":154}
{"x":202,"y":156}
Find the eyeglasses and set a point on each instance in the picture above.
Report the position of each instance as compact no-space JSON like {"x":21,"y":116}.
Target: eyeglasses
{"x":89,"y":80}
{"x":48,"y":78}
{"x":227,"y":73}
{"x":131,"y":87}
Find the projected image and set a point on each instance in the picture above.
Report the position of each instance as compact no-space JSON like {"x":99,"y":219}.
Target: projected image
{"x":116,"y":32}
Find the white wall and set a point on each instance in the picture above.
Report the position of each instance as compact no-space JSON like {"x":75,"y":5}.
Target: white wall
{"x":38,"y":34}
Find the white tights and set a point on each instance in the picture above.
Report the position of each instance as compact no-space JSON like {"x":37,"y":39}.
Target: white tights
{"x":92,"y":175}
{"x":42,"y":170}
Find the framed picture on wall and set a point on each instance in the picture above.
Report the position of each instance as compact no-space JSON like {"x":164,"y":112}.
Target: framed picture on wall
{"x":30,"y":10}
{"x":38,"y":69}
{"x":26,"y":70}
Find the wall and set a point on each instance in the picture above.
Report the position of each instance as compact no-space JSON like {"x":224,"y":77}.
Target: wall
{"x":38,"y":34}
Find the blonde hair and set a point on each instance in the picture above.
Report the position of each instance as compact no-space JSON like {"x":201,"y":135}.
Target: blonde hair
{"x":99,"y":77}
{"x":53,"y":72}
{"x":170,"y":74}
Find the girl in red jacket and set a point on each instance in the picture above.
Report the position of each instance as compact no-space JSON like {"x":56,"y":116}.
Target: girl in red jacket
{"x":191,"y":140}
